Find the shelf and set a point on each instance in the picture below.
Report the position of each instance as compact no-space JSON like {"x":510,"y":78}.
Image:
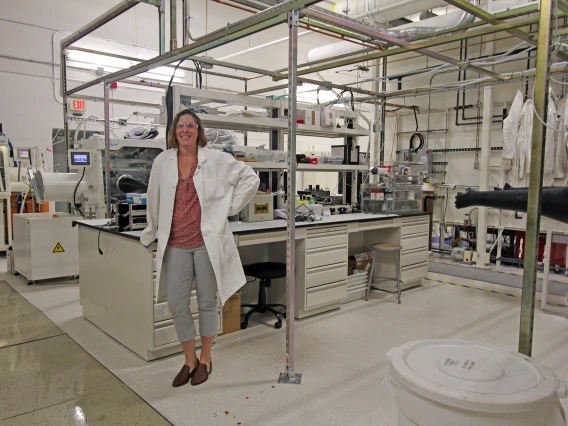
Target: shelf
{"x":309,"y":167}
{"x":331,"y":168}
{"x":251,"y":124}
{"x":424,"y":131}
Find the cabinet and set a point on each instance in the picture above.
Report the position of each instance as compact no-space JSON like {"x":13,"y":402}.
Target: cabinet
{"x":164,"y":330}
{"x":117,"y":294}
{"x":321,"y":270}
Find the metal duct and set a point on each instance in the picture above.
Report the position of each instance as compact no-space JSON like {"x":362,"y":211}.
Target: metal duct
{"x":384,"y":11}
{"x":429,"y":26}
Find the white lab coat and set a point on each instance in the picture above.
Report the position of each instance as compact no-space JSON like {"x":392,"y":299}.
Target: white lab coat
{"x":224,"y":186}
{"x":560,"y":148}
{"x":522,"y":163}
{"x":550,"y":147}
{"x":510,"y":131}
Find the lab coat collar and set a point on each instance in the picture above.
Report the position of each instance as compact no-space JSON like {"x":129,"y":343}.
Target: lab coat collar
{"x":201,"y":156}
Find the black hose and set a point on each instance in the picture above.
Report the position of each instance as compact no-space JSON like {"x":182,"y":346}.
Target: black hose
{"x":75,"y":192}
{"x":411,"y":149}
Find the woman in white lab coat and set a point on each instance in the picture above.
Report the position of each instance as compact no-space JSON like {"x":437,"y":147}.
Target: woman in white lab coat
{"x":191,"y":193}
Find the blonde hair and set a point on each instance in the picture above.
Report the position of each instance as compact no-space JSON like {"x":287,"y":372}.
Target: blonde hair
{"x":172,"y":139}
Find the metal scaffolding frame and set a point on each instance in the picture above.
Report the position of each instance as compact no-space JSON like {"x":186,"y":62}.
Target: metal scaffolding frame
{"x":295,"y":12}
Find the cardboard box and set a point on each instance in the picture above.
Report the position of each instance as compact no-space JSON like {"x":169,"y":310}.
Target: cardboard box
{"x":328,"y":117}
{"x":232,"y":314}
{"x":310,"y":117}
{"x":361,"y":262}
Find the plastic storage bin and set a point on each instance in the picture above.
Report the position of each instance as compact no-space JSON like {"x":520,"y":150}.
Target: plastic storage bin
{"x":455,"y":383}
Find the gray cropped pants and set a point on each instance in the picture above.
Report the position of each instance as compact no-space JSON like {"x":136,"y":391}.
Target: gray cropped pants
{"x":180,"y":267}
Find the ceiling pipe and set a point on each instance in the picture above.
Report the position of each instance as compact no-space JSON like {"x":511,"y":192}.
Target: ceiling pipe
{"x":427,"y":27}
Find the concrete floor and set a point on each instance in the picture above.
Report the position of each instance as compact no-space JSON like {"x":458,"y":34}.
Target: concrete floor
{"x":341,"y":355}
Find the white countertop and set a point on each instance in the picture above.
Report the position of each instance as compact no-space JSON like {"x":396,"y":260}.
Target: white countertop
{"x":241,"y":227}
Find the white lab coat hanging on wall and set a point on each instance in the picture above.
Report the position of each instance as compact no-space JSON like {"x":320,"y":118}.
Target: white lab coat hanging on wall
{"x":524,"y":141}
{"x":560,"y":147}
{"x":550,"y":147}
{"x":510,"y":131}
{"x":224,"y":186}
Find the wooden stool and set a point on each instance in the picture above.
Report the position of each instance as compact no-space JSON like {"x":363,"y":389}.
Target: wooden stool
{"x":385,"y":248}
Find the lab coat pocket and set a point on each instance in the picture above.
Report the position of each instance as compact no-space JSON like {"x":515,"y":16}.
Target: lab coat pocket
{"x":213,"y":189}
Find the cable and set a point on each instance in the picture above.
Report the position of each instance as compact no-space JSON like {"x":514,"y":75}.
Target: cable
{"x":75,"y":192}
{"x":411,"y":149}
{"x":170,"y":103}
{"x":142,"y":132}
{"x":109,"y":223}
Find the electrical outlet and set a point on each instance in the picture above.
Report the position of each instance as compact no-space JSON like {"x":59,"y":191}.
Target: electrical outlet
{"x":476,"y":165}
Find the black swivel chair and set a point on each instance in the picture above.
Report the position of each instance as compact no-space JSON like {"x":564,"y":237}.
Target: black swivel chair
{"x":265,"y":272}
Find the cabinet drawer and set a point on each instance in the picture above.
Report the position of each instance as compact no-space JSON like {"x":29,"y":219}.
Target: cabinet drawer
{"x":414,"y":272}
{"x":260,"y":238}
{"x":333,"y":240}
{"x":162,"y":312}
{"x":415,"y":219}
{"x":416,"y":241}
{"x":326,"y":275}
{"x":413,"y":256}
{"x":321,"y":231}
{"x":326,"y":257}
{"x":326,"y":294}
{"x":165,"y":335}
{"x":375,"y":224}
{"x":415,"y":229}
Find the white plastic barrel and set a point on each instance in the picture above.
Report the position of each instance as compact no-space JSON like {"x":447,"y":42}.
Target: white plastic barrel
{"x":458,"y":383}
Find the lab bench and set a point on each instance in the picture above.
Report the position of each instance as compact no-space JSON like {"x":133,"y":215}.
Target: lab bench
{"x":118,"y":287}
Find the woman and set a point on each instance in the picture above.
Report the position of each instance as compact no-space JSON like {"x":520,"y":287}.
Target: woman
{"x":191,"y":192}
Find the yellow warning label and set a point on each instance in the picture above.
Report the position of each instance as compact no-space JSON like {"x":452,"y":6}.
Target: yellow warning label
{"x":58,"y":248}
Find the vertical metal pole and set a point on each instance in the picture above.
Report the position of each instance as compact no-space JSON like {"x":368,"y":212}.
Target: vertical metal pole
{"x":107,"y":148}
{"x":499,"y":241}
{"x":63,"y":89}
{"x":290,"y":376}
{"x":173,"y":25}
{"x":383,"y":112}
{"x":162,"y":13}
{"x":535,"y":182}
{"x":484,"y":164}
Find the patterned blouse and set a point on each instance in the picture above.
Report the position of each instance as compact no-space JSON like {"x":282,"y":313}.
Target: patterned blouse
{"x":186,"y":221}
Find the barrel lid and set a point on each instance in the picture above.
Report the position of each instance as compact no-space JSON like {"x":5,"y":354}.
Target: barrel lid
{"x":474,"y":376}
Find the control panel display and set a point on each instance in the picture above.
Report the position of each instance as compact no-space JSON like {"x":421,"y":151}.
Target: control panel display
{"x":23,"y":153}
{"x":81,"y":159}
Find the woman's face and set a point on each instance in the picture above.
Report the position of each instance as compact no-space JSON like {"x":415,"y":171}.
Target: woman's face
{"x":186,"y":132}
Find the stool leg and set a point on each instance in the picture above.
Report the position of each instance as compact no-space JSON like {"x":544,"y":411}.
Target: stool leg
{"x":397,"y":265}
{"x":371,"y":273}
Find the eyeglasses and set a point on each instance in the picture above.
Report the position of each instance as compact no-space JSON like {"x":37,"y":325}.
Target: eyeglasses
{"x":187,"y":125}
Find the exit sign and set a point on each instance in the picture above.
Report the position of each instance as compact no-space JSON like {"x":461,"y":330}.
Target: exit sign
{"x":77,"y":105}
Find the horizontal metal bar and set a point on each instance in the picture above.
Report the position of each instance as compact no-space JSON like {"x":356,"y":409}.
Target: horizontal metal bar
{"x":130,"y":58}
{"x":108,"y":16}
{"x":345,"y":23}
{"x":416,"y":46}
{"x":506,"y":14}
{"x":492,"y":19}
{"x":262,"y":20}
{"x":487,"y":17}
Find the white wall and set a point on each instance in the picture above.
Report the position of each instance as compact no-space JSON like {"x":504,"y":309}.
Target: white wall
{"x":30,"y":111}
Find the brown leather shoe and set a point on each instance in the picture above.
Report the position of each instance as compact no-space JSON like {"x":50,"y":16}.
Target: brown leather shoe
{"x":183,"y":376}
{"x":201,"y":374}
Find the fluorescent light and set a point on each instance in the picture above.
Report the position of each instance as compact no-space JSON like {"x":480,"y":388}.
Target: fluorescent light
{"x":111,"y":64}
